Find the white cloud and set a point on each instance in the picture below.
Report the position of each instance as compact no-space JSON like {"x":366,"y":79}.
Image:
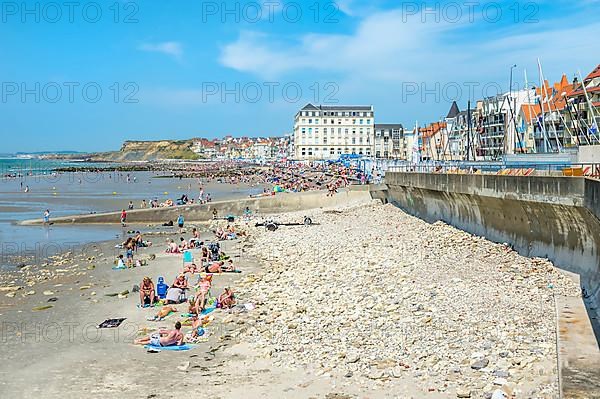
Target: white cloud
{"x":391,"y":47}
{"x":173,"y":49}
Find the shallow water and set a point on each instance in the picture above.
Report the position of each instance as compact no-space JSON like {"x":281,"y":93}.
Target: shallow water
{"x":80,"y":193}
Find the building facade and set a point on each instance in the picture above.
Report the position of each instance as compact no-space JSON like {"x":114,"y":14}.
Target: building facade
{"x":390,"y":142}
{"x":326,"y":132}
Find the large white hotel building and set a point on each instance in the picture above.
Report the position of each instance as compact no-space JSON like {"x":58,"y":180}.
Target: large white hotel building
{"x":326,"y":132}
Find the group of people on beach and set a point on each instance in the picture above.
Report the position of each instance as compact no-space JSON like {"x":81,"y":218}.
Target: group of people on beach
{"x":197,"y":296}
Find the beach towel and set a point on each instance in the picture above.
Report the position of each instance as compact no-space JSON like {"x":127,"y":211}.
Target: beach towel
{"x":119,"y":268}
{"x":110,"y":323}
{"x":184,"y":347}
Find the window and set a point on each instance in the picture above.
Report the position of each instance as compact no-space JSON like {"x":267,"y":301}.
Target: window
{"x":353,"y":140}
{"x":332,"y":122}
{"x":360,"y":151}
{"x":339,"y":151}
{"x":378,"y":133}
{"x":303,"y":130}
{"x":324,"y":130}
{"x":324,"y":121}
{"x":310,"y":152}
{"x":360,"y":121}
{"x":332,"y":151}
{"x":310,"y":130}
{"x":303,"y":151}
{"x":346,"y":131}
{"x":368,"y":121}
{"x":354,"y":121}
{"x":339,"y":121}
{"x":325,"y":140}
{"x":378,"y":154}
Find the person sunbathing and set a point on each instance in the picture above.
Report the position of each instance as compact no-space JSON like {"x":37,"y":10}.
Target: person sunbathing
{"x":177,"y":289}
{"x":215,"y":267}
{"x":190,"y":268}
{"x":147,"y":292}
{"x":201,"y":295}
{"x":172,"y":248}
{"x":226,"y":299}
{"x":205,"y":257}
{"x":183,"y":245}
{"x":163,"y":312}
{"x":163,"y":337}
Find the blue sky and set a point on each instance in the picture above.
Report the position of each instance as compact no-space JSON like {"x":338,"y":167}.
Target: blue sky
{"x":185,"y":69}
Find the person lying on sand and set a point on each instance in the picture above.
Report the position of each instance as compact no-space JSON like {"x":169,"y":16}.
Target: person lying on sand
{"x":190,"y":268}
{"x":147,"y":293}
{"x":163,"y":337}
{"x":163,"y":312}
{"x":215,"y":267}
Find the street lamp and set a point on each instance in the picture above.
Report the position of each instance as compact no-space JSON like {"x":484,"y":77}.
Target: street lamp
{"x":511,"y":78}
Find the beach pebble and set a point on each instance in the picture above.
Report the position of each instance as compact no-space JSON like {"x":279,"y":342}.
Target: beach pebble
{"x":399,"y":297}
{"x":47,"y":293}
{"x":184,"y":366}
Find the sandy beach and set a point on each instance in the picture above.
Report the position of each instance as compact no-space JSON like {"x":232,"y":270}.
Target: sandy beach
{"x":368,"y":303}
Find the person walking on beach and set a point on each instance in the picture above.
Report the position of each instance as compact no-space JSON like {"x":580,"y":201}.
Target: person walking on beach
{"x":130,"y":205}
{"x":47,"y":216}
{"x":180,"y":222}
{"x":123,"y":217}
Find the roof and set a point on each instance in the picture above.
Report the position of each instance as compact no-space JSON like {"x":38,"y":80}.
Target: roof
{"x":432,"y":129}
{"x":531,"y":111}
{"x":389,"y":126}
{"x":311,"y":107}
{"x":594,"y":74}
{"x":453,"y":111}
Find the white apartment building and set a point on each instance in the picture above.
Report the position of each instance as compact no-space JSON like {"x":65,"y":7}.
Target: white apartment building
{"x":326,"y":132}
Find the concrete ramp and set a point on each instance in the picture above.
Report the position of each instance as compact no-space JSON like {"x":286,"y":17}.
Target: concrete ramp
{"x":282,"y":202}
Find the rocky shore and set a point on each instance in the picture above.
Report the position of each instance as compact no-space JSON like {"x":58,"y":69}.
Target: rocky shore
{"x":375,"y":296}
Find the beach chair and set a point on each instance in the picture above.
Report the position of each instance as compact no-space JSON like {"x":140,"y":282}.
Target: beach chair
{"x":188,"y":258}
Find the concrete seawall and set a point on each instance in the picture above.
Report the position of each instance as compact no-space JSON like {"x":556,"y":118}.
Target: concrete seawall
{"x":282,"y":202}
{"x":553,"y":217}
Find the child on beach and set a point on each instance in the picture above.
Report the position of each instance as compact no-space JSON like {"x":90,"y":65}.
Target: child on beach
{"x":123,"y":217}
{"x":47,"y":216}
{"x":120,"y":263}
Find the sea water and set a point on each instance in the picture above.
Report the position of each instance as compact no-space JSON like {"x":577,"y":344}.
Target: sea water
{"x":29,"y":187}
